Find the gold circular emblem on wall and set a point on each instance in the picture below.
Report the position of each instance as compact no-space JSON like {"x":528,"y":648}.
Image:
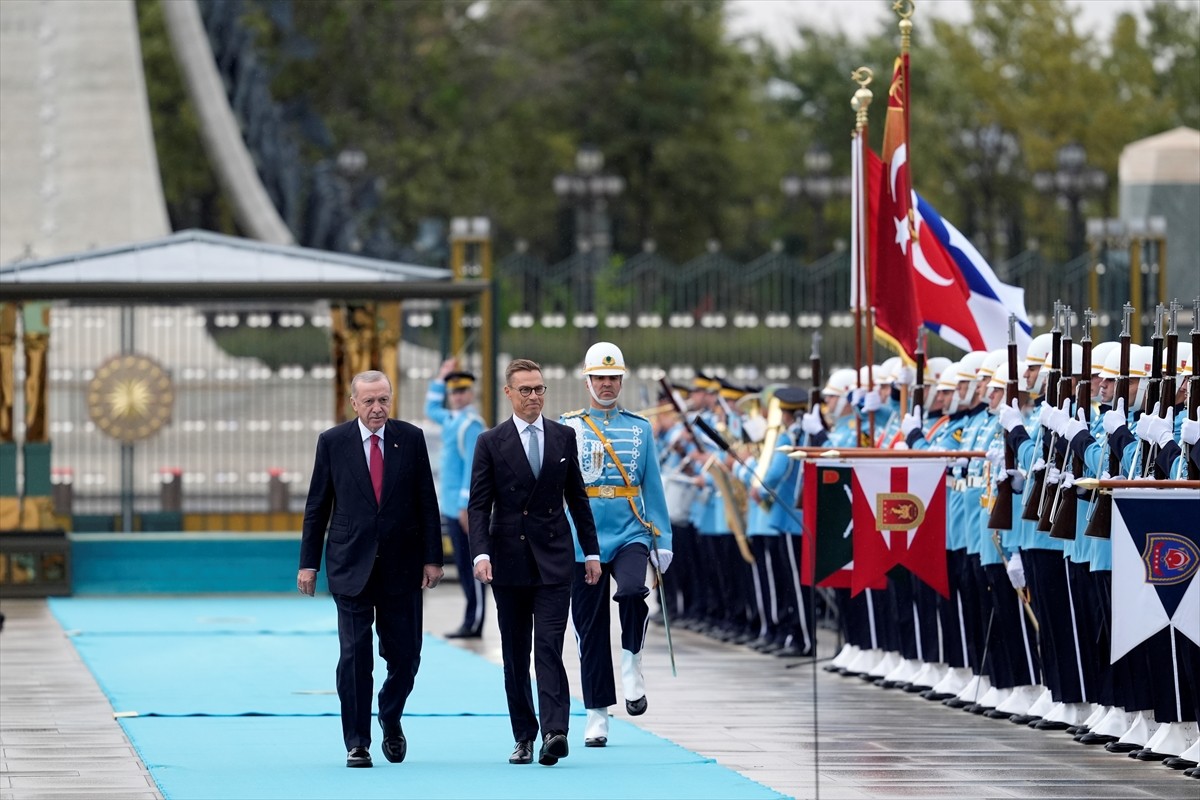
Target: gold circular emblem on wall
{"x":130,"y":398}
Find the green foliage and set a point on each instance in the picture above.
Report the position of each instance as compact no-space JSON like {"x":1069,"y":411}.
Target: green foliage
{"x":468,"y":108}
{"x":305,"y":346}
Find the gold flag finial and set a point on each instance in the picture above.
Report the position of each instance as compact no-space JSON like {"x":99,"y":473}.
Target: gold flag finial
{"x":904,"y":9}
{"x":862,"y":98}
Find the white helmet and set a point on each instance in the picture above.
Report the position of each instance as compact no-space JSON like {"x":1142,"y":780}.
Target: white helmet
{"x":889,"y":370}
{"x":1000,"y":377}
{"x":1184,"y":365}
{"x":968,"y":365}
{"x":1100,"y":353}
{"x":604,"y":358}
{"x":839,"y":384}
{"x":990,"y":364}
{"x":947,"y":380}
{"x":1039,"y":349}
{"x":935,"y":368}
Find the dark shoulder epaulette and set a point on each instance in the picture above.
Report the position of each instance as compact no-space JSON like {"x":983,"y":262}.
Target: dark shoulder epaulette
{"x":579,"y":412}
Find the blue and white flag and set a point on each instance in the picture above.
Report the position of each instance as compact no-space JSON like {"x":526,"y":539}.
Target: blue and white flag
{"x":1156,"y":560}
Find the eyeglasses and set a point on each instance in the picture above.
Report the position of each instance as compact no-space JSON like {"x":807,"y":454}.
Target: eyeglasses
{"x":527,"y":390}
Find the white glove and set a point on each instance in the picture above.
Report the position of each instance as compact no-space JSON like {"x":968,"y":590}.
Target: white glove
{"x":907,"y":376}
{"x":1155,"y":429}
{"x":811,"y":422}
{"x":1053,"y":475}
{"x":1038,"y":465}
{"x":872,"y":401}
{"x":1115,"y":418}
{"x":911,"y":422}
{"x":1018,"y":480}
{"x":1011,"y":416}
{"x":1016,"y":571}
{"x":961,"y":463}
{"x":1068,"y":480}
{"x":995,"y":455}
{"x":1052,"y":417}
{"x":1190,"y":431}
{"x":856,"y":395}
{"x":661,"y":559}
{"x":755,"y":428}
{"x":1073,"y":427}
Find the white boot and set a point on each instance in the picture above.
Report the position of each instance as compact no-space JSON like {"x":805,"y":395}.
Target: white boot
{"x":1141,"y":730}
{"x":891,"y":659}
{"x":994,"y":697}
{"x":1192,"y":753}
{"x":595,"y":733}
{"x":864,"y":662}
{"x":1020,"y":701}
{"x":976,"y":688}
{"x":1172,"y":738}
{"x":930,"y":674}
{"x":1114,"y":723}
{"x":902,"y":673}
{"x":844,"y":657}
{"x":953,"y":682}
{"x":633,"y":683}
{"x":1100,"y":713}
{"x":1041,"y":707}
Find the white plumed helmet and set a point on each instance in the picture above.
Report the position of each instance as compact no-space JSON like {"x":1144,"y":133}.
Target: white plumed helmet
{"x":604,"y":358}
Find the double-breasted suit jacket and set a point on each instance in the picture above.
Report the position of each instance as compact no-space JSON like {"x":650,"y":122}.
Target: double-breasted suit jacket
{"x":520,"y":522}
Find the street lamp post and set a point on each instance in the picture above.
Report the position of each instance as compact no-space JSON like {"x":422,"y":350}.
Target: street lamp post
{"x":589,"y":191}
{"x":818,"y":187}
{"x":1071,"y":182}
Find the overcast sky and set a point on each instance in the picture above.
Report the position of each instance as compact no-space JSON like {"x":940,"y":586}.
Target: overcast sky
{"x":776,"y":19}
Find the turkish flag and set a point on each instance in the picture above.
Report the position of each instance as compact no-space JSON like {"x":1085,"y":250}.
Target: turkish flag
{"x":910,"y":284}
{"x":899,"y":519}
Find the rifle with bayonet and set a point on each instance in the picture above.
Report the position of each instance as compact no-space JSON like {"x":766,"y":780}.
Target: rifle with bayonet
{"x":1143,"y":464}
{"x":1065,"y":521}
{"x":818,"y":378}
{"x":1057,"y":457}
{"x":1001,"y":515}
{"x":1170,"y":382}
{"x":918,"y":394}
{"x":1193,"y":393}
{"x":1099,"y":524}
{"x":1035,"y":489}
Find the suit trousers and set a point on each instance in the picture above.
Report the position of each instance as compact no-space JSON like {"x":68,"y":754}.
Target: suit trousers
{"x":590,"y":614}
{"x":534,"y":618}
{"x":397,"y":620}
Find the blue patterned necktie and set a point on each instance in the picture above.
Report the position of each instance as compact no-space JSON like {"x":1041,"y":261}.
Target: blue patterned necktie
{"x":534,"y":451}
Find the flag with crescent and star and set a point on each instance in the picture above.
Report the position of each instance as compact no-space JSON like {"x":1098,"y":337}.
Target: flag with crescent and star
{"x":1156,"y":560}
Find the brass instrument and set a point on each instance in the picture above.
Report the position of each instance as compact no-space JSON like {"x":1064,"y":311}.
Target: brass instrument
{"x":770,"y":440}
{"x":734,"y":494}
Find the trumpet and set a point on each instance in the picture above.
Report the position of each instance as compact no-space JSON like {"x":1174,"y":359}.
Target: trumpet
{"x":656,"y":410}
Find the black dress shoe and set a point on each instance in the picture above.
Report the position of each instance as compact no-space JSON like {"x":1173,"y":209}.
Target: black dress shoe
{"x":636,"y":707}
{"x":395,"y":746}
{"x":1146,"y":754}
{"x":792,"y":651}
{"x":1121,"y":747}
{"x":554,"y":747}
{"x":1050,"y":725}
{"x":996,"y":713}
{"x":1176,"y":762}
{"x":465,"y":633}
{"x":522,"y":753}
{"x":1024,"y":719}
{"x":1091,"y":737}
{"x":358,"y":757}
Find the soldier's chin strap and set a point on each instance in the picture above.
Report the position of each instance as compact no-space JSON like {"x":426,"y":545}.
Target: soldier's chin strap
{"x":606,"y":403}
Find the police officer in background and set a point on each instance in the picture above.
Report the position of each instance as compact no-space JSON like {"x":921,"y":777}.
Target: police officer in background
{"x":448,"y":403}
{"x":619,"y":463}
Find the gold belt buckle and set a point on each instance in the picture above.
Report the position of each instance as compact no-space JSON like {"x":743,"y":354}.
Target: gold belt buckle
{"x":608,"y":492}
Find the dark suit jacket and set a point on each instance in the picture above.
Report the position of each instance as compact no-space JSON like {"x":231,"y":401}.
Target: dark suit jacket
{"x":520,"y":522}
{"x":404,"y":529}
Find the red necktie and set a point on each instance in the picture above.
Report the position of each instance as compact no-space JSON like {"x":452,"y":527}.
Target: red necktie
{"x":376,"y":467}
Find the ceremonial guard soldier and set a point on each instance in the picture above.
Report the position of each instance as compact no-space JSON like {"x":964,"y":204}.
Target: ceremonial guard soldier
{"x":619,"y":463}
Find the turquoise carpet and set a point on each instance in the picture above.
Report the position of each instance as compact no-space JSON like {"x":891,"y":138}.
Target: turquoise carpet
{"x":233,"y":698}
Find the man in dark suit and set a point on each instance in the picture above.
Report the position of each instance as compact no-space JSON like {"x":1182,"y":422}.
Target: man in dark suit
{"x":521,"y":544}
{"x":372,"y":476}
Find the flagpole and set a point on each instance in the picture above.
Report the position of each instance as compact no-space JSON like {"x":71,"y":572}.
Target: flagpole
{"x":861,"y":103}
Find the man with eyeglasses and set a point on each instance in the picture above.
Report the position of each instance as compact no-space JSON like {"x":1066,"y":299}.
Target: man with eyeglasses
{"x":448,"y":403}
{"x":619,"y":463}
{"x":525,"y":469}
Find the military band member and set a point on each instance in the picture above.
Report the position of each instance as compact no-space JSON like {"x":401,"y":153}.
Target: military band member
{"x":619,"y":463}
{"x":448,"y":402}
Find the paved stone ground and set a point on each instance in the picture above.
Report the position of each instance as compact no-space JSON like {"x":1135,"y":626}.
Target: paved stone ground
{"x":748,"y":711}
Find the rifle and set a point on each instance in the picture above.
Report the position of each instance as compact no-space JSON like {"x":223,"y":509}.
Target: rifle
{"x":1064,"y":524}
{"x":1062,"y":392}
{"x":918,"y":395}
{"x":1170,"y":373}
{"x":1193,"y":393}
{"x":1037,"y":483}
{"x":818,"y":378}
{"x":1142,"y":462}
{"x":1001,"y":515}
{"x":1099,"y":524}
